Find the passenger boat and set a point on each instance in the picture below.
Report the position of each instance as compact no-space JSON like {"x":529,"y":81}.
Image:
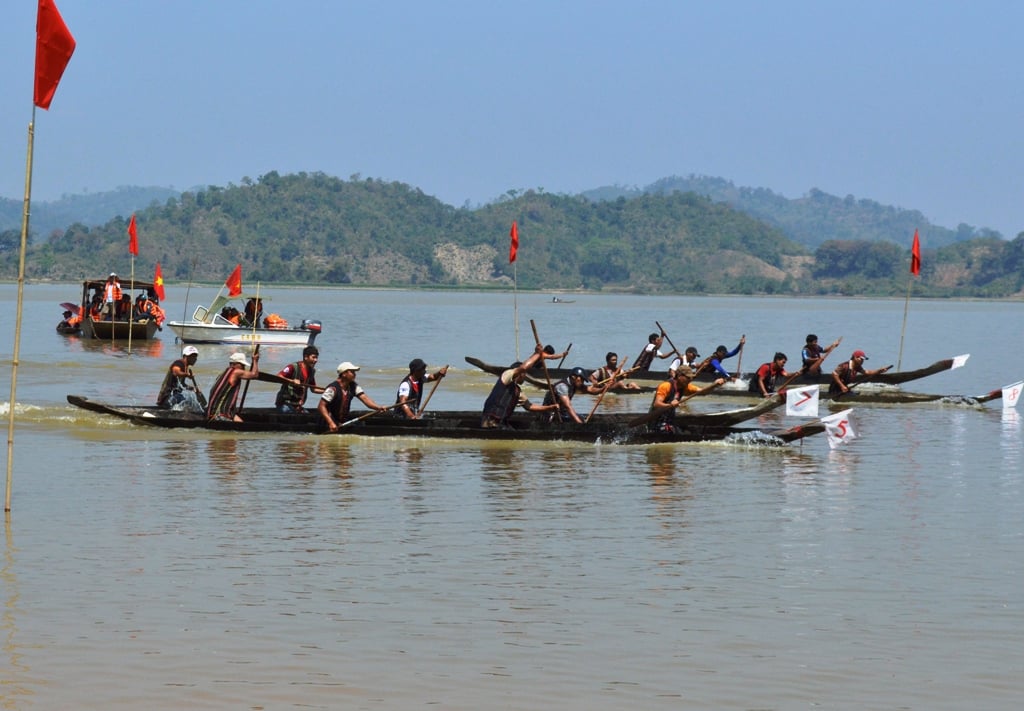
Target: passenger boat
{"x":707,"y":376}
{"x":121,"y":327}
{"x":211,"y":325}
{"x":607,"y":429}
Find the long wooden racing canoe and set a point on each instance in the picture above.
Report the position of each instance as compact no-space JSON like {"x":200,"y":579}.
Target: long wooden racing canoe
{"x":877,"y":392}
{"x":607,"y":428}
{"x":706,"y":375}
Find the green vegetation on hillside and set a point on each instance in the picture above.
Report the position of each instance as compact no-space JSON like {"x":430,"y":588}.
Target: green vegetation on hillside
{"x":317,"y":229}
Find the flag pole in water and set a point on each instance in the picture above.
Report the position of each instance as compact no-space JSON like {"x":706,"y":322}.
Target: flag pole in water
{"x":54,"y":47}
{"x":915,"y":270}
{"x":513,"y":250}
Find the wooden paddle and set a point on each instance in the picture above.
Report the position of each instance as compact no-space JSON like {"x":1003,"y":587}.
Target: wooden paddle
{"x":739,"y":361}
{"x":859,"y":381}
{"x":199,"y":393}
{"x":655,"y":414}
{"x":673,"y":345}
{"x":607,"y":387}
{"x":245,"y":388}
{"x":547,"y":375}
{"x":568,"y":348}
{"x":443,"y":371}
{"x":371,"y":413}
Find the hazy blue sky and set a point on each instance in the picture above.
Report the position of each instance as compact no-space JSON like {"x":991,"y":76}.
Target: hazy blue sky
{"x":913,"y":104}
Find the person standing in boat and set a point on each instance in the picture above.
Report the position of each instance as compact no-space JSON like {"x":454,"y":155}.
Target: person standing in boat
{"x":600,"y":377}
{"x":222,"y":404}
{"x":507,"y":392}
{"x":812,"y":355}
{"x":338,"y":395}
{"x":720,"y":354}
{"x":291,"y":398}
{"x":768,"y":375}
{"x":111,"y":296}
{"x":564,"y":389}
{"x":175,"y":386}
{"x":410,"y":390}
{"x":670,"y":395}
{"x":845,"y":372}
{"x":650,"y":351}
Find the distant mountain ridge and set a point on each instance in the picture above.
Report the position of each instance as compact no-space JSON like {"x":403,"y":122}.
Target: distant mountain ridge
{"x":90,"y":209}
{"x":813,"y":219}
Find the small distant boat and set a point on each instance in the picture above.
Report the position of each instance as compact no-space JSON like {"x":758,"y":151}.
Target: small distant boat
{"x":212,"y":325}
{"x":123,"y":324}
{"x":556,"y":300}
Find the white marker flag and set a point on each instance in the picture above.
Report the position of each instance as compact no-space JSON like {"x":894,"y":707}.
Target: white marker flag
{"x":838,"y":428}
{"x":1011,"y":394}
{"x":960,"y":361}
{"x":802,"y":402}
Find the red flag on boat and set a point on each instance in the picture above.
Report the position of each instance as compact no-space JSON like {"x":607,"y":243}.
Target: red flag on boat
{"x":514,"y":246}
{"x":133,"y":237}
{"x":158,"y":282}
{"x":234,"y":282}
{"x":915,"y":256}
{"x":54,"y":47}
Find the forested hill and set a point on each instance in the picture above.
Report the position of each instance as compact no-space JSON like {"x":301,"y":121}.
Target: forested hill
{"x":317,"y":229}
{"x":812,"y":219}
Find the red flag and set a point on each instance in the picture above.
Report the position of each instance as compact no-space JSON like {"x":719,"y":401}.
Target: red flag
{"x":54,"y":47}
{"x":234,"y":282}
{"x":915,"y":256}
{"x":133,"y":237}
{"x":514,"y":247}
{"x":158,"y":282}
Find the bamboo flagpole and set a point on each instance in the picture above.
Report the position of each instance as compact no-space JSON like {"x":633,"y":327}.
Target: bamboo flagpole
{"x":54,"y":47}
{"x":513,"y":250}
{"x":915,"y":270}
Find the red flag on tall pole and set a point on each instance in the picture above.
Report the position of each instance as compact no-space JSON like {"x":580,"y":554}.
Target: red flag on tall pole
{"x":54,"y":47}
{"x":133,"y":237}
{"x":158,"y":282}
{"x":915,"y":256}
{"x":234,"y":282}
{"x":514,"y":246}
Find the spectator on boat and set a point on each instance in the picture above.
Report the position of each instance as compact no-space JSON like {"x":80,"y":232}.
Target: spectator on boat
{"x":671,"y":394}
{"x":253,"y":312}
{"x":149,"y":308}
{"x":96,"y":307}
{"x":768,"y":375}
{"x":291,"y":398}
{"x":173,"y":392}
{"x":650,"y":351}
{"x":812,"y":355}
{"x":689,"y":359}
{"x":111,"y":296}
{"x":720,"y":354}
{"x":338,"y":395}
{"x":222,"y":404}
{"x":600,"y":377}
{"x":845,"y":372}
{"x":507,"y":392}
{"x":564,"y":389}
{"x":70,"y":324}
{"x":230,"y":313}
{"x":410,"y":390}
